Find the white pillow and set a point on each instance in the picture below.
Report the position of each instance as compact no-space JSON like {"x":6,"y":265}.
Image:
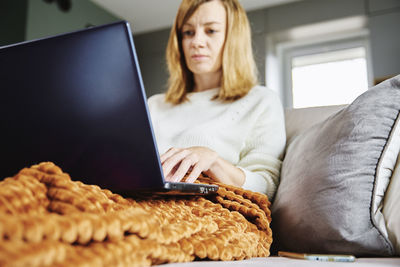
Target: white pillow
{"x":391,"y":209}
{"x":384,"y":174}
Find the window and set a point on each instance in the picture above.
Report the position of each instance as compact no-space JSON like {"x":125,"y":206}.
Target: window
{"x":333,"y":72}
{"x":329,"y":78}
{"x":325,"y":63}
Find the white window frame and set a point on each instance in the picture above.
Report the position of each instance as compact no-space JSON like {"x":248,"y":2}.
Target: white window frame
{"x":301,"y":40}
{"x":287,"y":51}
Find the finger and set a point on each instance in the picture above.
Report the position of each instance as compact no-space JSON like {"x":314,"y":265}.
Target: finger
{"x":173,"y":161}
{"x":168,"y":177}
{"x":194,"y":174}
{"x":183,"y":169}
{"x":169,"y":153}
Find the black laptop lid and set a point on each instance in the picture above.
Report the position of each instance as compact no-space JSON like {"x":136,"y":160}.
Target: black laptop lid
{"x":78,"y":100}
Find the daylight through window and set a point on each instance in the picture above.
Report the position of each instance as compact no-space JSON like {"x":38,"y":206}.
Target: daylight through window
{"x":330,"y":78}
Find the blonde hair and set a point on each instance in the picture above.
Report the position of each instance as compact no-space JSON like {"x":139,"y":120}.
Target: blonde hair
{"x":239,"y":71}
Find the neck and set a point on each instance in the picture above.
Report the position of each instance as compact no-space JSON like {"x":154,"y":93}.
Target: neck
{"x":207,"y":81}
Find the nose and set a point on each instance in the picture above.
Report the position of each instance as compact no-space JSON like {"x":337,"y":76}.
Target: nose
{"x":198,"y":39}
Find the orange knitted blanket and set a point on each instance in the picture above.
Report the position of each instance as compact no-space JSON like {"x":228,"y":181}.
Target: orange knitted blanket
{"x":46,"y":219}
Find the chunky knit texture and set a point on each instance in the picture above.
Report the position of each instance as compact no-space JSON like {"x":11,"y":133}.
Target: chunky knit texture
{"x":249,"y":132}
{"x":46,"y":219}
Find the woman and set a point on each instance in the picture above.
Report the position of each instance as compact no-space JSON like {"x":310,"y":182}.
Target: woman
{"x":214,"y":119}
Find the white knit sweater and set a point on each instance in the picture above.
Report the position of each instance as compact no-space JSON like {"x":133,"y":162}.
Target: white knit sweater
{"x":249,"y":133}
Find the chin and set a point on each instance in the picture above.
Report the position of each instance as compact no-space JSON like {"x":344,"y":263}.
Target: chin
{"x":203,"y":70}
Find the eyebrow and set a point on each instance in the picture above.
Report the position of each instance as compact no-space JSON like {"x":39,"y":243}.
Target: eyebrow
{"x":206,"y":24}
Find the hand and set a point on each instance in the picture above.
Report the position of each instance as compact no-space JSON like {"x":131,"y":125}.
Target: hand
{"x":177,"y":162}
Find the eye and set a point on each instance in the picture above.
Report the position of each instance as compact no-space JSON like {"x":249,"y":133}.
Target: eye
{"x":188,"y":33}
{"x":211,"y":31}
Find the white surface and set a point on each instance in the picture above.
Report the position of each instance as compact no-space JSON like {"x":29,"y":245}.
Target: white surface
{"x":386,"y":178}
{"x":150,"y":15}
{"x":283,"y":262}
{"x":391,"y":209}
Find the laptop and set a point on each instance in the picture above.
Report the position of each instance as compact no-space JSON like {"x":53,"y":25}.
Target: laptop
{"x":78,"y":100}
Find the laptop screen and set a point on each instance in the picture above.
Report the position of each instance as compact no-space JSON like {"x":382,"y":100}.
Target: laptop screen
{"x":77,"y":100}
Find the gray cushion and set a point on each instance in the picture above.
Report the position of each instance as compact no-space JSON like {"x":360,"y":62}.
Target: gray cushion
{"x":325,"y":199}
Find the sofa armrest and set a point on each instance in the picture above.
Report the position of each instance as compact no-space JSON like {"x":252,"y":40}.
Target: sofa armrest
{"x":298,"y":120}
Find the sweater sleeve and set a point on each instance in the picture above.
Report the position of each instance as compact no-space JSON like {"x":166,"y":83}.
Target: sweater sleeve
{"x":261,"y":157}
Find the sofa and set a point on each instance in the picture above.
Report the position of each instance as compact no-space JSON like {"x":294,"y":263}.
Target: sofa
{"x":355,"y":212}
{"x":339,"y":194}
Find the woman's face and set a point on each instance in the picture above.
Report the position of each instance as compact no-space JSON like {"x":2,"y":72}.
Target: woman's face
{"x":203,"y":38}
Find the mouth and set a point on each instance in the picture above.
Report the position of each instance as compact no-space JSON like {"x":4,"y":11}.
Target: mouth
{"x":199,"y":57}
